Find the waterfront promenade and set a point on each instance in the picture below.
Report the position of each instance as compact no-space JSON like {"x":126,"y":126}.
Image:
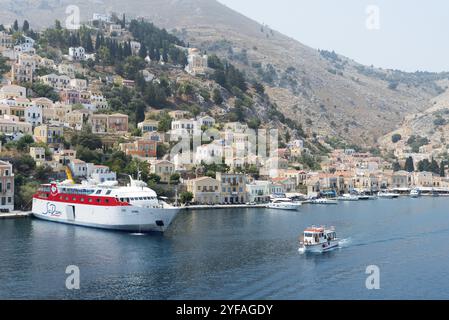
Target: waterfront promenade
{"x":15,"y":214}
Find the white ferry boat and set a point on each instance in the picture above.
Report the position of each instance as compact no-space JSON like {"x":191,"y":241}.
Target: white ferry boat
{"x":348,"y":197}
{"x":133,"y":208}
{"x":324,"y":201}
{"x":387,"y":195}
{"x":318,"y":240}
{"x":284,"y":204}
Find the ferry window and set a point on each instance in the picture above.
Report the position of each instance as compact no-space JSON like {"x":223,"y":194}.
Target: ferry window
{"x":98,"y":192}
{"x":90,"y":200}
{"x":82,"y":199}
{"x":108,"y":192}
{"x":98,"y":200}
{"x":74,"y":199}
{"x":106,"y":200}
{"x":140,"y":198}
{"x":66,"y":198}
{"x":121,"y":199}
{"x":127,"y":200}
{"x":60,"y":198}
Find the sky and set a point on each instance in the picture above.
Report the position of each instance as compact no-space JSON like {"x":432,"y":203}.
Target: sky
{"x":407,"y":35}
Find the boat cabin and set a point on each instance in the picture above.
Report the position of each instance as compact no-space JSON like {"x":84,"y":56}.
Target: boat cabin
{"x":320,"y":235}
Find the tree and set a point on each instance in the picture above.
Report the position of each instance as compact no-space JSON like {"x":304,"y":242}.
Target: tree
{"x":216,"y":97}
{"x":164,"y":122}
{"x":443,"y":169}
{"x":396,"y":166}
{"x":154,"y":178}
{"x":186,"y":197}
{"x":46,"y":91}
{"x":409,"y":165}
{"x":161,"y":150}
{"x":396,"y":138}
{"x":24,"y":142}
{"x":175,"y":178}
{"x":434,"y":167}
{"x":26,"y":26}
{"x":15,"y":26}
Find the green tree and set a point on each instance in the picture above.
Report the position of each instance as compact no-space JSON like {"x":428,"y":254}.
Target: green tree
{"x":186,"y":197}
{"x":409,"y":165}
{"x":164,"y":122}
{"x":397,"y":166}
{"x":26,"y":26}
{"x":396,"y":138}
{"x":15,"y":26}
{"x":443,"y":169}
{"x":154,"y":178}
{"x":217,"y":97}
{"x":175,"y":178}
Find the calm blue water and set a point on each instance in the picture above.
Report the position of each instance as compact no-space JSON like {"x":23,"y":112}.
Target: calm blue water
{"x":237,"y":254}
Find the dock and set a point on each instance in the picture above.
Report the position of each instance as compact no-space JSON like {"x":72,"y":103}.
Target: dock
{"x":224,"y":206}
{"x":15,"y":215}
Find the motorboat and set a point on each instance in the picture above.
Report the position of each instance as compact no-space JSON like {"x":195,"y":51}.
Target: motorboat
{"x":387,"y":195}
{"x":415,"y":193}
{"x":324,"y":201}
{"x":318,"y":239}
{"x":284,"y":204}
{"x":348,"y":197}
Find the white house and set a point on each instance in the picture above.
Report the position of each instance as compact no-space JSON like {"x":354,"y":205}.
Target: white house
{"x":55,"y":81}
{"x":148,"y":126}
{"x":196,"y":62}
{"x":100,"y":174}
{"x":184,"y":127}
{"x":77,"y":53}
{"x":13,"y":91}
{"x":258,"y":191}
{"x":101,"y":17}
{"x":210,"y":153}
{"x":33,"y":115}
{"x":78,"y":168}
{"x":206,"y":121}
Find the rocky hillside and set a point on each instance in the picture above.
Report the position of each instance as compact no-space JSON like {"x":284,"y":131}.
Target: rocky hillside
{"x":431,"y":124}
{"x":328,"y":94}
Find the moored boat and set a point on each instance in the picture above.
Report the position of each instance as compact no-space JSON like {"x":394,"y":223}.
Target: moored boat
{"x":133,"y":208}
{"x":284,"y":204}
{"x":348,"y":197}
{"x":387,"y":195}
{"x":318,"y":239}
{"x":324,"y":201}
{"x":415,"y":193}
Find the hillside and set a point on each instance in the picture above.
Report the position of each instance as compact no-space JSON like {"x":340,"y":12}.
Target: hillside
{"x":431,"y":124}
{"x":326,"y":93}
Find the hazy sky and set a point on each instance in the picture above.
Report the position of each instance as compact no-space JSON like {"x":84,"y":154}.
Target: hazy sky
{"x":405,"y":34}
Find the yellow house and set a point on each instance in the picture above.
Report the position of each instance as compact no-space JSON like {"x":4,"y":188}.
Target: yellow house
{"x":205,"y":190}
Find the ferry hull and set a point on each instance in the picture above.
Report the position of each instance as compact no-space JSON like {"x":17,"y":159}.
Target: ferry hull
{"x":120,"y":218}
{"x":320,"y":248}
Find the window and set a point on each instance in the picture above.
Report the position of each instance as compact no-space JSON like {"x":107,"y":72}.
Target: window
{"x":108,"y":192}
{"x":98,"y":192}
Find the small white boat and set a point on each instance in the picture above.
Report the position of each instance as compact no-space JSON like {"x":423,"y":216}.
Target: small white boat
{"x":415,"y":193}
{"x":284,"y":204}
{"x":323,"y":201}
{"x":367,"y":197}
{"x":348,"y":197}
{"x":318,"y":240}
{"x":387,"y":195}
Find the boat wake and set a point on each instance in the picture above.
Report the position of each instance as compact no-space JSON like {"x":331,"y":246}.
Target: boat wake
{"x":344,"y":243}
{"x":137,"y":234}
